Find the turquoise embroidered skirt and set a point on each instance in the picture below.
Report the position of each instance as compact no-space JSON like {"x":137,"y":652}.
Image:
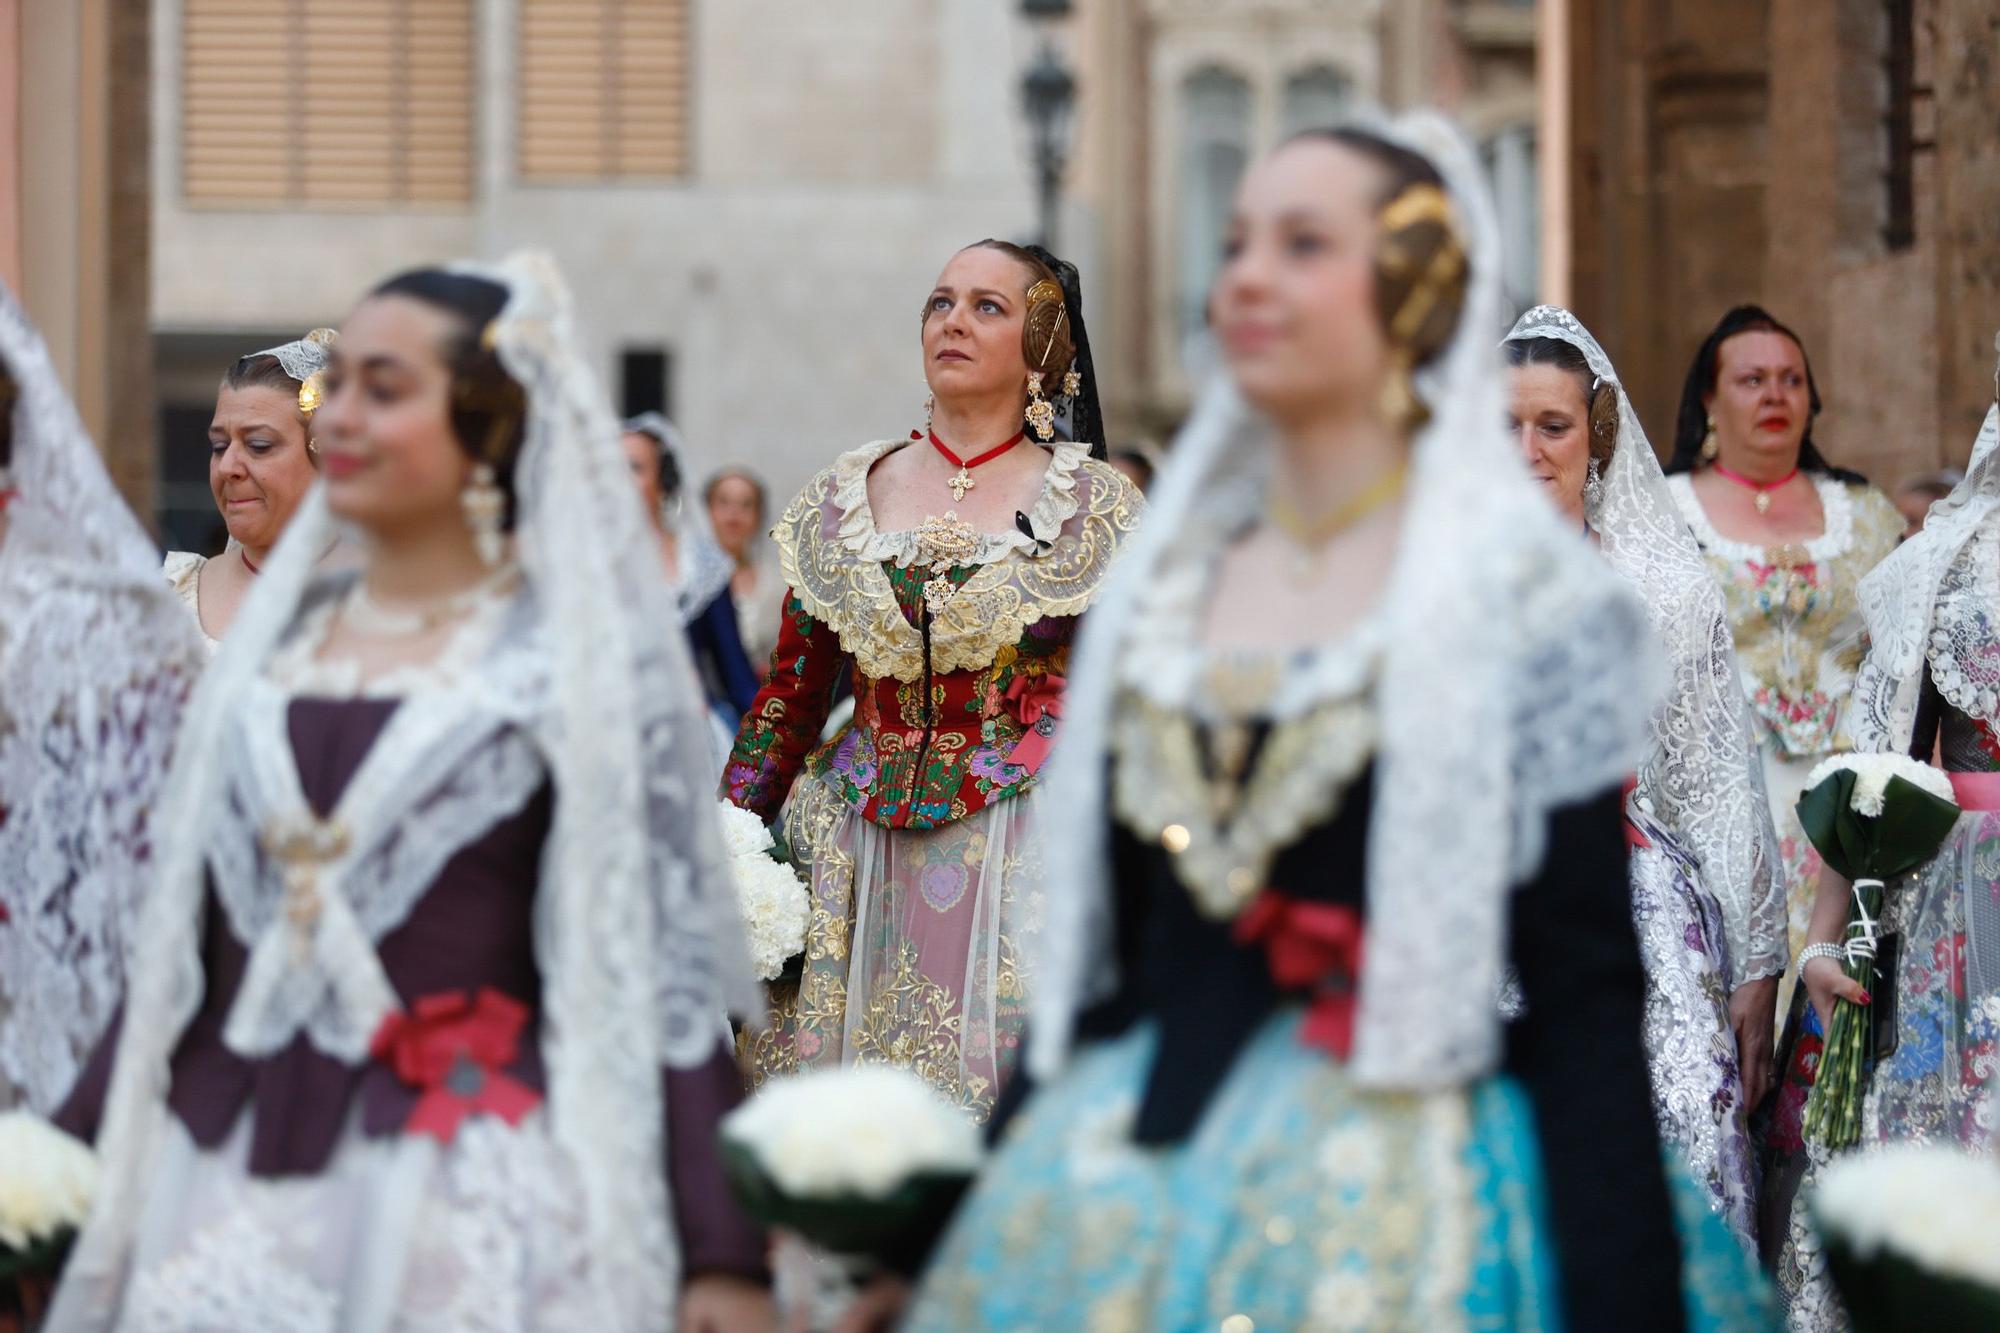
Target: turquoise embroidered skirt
{"x":1299,"y":1202}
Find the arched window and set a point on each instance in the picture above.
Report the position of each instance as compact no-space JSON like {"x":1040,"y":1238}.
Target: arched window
{"x":1214,"y":149}
{"x":1316,"y":96}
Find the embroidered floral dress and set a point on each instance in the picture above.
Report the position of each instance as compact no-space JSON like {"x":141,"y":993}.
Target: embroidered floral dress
{"x":1937,"y":1005}
{"x":918,"y":820}
{"x":1796,"y":619}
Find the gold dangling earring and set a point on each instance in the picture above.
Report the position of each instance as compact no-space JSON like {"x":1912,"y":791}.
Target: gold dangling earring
{"x":1711,"y":448}
{"x":1072,"y":383}
{"x":1399,"y":403}
{"x":484,"y":504}
{"x":1041,"y":413}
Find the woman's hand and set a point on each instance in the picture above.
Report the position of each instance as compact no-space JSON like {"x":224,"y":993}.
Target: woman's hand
{"x":1753,"y":1013}
{"x":1825,"y":982}
{"x":715,"y":1303}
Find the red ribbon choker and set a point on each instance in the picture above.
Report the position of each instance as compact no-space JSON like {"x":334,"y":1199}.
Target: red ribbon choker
{"x":970,"y":463}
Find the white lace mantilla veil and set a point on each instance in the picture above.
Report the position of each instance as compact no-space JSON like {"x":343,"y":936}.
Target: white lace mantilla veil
{"x":1516,"y":677}
{"x":636,"y":929}
{"x":1703,"y":776}
{"x":1901,"y":604}
{"x":705,"y":568}
{"x":96,"y":658}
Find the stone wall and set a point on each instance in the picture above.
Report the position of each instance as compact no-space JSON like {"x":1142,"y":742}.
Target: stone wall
{"x":1733,"y":150}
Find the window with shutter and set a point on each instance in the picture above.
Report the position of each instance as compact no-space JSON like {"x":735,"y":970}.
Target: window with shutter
{"x":326,"y":103}
{"x":603,"y":90}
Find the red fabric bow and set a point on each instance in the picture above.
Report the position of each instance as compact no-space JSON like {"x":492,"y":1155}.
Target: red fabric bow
{"x":453,"y":1046}
{"x":1634,"y":839}
{"x":1036,"y":703}
{"x":1316,"y":946}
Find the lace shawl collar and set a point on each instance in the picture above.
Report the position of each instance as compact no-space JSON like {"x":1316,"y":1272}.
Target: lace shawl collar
{"x":453,"y":761}
{"x":833,"y":560}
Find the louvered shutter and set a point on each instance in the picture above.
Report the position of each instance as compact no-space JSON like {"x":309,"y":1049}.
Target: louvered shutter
{"x":603,"y":90}
{"x":327,"y":103}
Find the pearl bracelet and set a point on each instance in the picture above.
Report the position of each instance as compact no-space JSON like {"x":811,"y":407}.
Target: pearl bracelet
{"x":1812,"y":951}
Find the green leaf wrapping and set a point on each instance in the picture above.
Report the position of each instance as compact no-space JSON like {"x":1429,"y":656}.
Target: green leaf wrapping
{"x":1886,"y":1292}
{"x":1908,"y":832}
{"x":895,"y":1231}
{"x":1912,"y":826}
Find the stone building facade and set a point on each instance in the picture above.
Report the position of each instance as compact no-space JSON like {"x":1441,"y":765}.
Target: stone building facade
{"x":1837,"y":161}
{"x":1180,"y":94}
{"x":750,"y":197}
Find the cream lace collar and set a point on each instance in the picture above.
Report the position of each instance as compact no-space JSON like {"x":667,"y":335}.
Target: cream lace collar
{"x":1054,"y":506}
{"x":1836,"y":505}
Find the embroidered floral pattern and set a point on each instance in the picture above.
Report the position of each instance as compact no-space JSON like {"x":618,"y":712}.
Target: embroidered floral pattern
{"x":934,"y":738}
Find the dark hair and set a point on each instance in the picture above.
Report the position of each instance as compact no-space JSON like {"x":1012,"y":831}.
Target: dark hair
{"x":740,"y":474}
{"x":666,"y":466}
{"x":10,"y":396}
{"x":1144,"y":462}
{"x":1691,"y":424}
{"x":1600,"y":397}
{"x":259,"y":370}
{"x":1408,"y":255}
{"x":488,"y":409}
{"x":1070,"y":346}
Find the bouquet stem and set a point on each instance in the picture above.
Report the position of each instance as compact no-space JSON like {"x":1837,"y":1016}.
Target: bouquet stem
{"x":1833,"y":1110}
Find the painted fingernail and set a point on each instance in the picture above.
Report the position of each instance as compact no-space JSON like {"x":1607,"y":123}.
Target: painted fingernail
{"x":1864,"y":998}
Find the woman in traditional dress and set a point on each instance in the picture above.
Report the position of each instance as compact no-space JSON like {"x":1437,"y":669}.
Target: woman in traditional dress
{"x":1788,"y":537}
{"x":739,"y":513}
{"x":697,"y":568}
{"x":1708,"y":892}
{"x":1930,"y":685}
{"x":428,"y":1030}
{"x":262,"y":460}
{"x":96,"y":659}
{"x":948,"y":571}
{"x":1367,"y":710}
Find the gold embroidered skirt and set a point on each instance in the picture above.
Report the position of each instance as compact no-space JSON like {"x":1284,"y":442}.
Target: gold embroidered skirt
{"x":916,"y":948}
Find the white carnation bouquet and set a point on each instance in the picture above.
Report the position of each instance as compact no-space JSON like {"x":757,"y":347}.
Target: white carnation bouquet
{"x":865,"y":1161}
{"x":774,"y":903}
{"x":47,"y":1182}
{"x":1872,"y":817}
{"x":1911,"y":1234}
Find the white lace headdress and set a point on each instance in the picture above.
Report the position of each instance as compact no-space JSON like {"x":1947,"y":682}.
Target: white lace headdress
{"x":96,"y":658}
{"x":303,"y":358}
{"x":705,"y":568}
{"x":1516,"y":677}
{"x":637,"y":934}
{"x":1913,"y":616}
{"x":1703,"y":776}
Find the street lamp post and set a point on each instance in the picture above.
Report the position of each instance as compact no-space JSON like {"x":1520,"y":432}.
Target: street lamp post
{"x":1048,"y":95}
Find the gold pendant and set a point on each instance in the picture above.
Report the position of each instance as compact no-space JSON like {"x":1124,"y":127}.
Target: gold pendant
{"x":938,"y":592}
{"x":1763,"y":502}
{"x":961,"y":483}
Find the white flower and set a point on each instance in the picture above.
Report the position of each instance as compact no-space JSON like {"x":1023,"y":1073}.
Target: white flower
{"x":858,"y":1130}
{"x":1871,"y":778}
{"x":743,"y":834}
{"x":1938,"y":1207}
{"x":47,"y":1180}
{"x":775,"y":910}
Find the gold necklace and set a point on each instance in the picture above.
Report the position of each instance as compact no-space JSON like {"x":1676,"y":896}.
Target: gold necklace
{"x":1312,"y":535}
